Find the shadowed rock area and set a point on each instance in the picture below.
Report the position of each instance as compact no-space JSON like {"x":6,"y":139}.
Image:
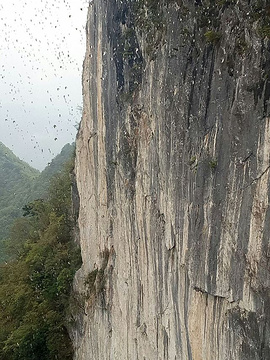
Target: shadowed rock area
{"x":172,"y":166}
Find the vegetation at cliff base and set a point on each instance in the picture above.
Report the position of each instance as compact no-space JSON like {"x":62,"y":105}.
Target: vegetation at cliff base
{"x":35,"y":286}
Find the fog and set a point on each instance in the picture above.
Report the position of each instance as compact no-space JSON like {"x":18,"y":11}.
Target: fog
{"x":42,"y":50}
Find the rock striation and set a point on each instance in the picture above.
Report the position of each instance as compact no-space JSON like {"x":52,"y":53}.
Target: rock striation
{"x":172,"y":168}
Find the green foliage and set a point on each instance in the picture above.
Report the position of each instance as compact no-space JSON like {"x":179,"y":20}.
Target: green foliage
{"x":42,"y":183}
{"x":212,"y":36}
{"x":213,"y":164}
{"x":35,"y":286}
{"x":20,"y":184}
{"x":264,"y":31}
{"x":90,"y":282}
{"x":95,"y":280}
{"x":241,"y":45}
{"x":193,"y":163}
{"x":260,"y":13}
{"x":226,"y":2}
{"x":16,"y":178}
{"x":192,"y":160}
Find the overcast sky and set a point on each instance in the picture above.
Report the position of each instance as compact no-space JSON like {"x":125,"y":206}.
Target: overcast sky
{"x":41,"y":55}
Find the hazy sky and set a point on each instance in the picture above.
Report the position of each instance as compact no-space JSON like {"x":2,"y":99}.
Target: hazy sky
{"x":41,"y":55}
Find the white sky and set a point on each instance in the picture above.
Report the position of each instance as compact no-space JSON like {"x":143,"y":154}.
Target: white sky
{"x":41,"y":54}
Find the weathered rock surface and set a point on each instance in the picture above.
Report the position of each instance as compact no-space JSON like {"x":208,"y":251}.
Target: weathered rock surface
{"x":172,"y":164}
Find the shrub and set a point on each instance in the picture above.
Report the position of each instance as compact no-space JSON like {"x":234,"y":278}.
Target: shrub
{"x":264,"y":31}
{"x":213,"y":164}
{"x":212,"y":36}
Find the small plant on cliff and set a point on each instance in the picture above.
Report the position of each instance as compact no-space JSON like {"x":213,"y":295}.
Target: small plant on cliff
{"x":193,"y":163}
{"x":95,"y":281}
{"x":213,"y":164}
{"x":89,"y":283}
{"x":226,"y":2}
{"x":192,"y":160}
{"x":241,"y":45}
{"x":212,"y":36}
{"x":264,"y":31}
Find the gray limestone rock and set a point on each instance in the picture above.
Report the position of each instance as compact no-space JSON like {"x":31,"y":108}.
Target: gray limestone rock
{"x":172,"y":166}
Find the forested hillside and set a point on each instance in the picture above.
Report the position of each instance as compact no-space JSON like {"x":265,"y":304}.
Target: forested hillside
{"x":41,"y":184}
{"x":35,"y":285}
{"x":16,"y":180}
{"x":19,"y":184}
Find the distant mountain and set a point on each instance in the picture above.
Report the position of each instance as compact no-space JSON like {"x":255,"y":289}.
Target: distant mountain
{"x":41,"y":185}
{"x":20,"y":184}
{"x":16,"y":180}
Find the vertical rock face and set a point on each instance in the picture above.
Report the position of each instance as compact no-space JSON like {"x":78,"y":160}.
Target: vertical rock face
{"x":173,"y":165}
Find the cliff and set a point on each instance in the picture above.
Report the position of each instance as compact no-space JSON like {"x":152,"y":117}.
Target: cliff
{"x":172,"y":167}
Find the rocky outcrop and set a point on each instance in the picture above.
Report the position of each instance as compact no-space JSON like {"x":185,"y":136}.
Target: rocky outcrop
{"x":172,"y":165}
